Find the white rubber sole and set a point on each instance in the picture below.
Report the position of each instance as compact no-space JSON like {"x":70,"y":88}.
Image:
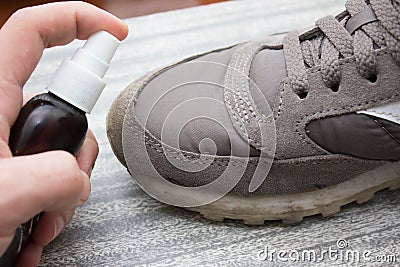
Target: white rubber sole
{"x":294,"y":207}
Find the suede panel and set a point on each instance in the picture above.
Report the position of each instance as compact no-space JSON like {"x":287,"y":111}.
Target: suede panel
{"x":355,"y":93}
{"x":115,"y":120}
{"x":285,"y":177}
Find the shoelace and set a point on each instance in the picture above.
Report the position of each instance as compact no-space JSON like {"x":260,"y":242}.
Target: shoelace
{"x":335,"y":41}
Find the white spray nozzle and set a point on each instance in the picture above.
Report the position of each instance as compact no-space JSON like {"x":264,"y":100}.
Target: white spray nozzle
{"x":79,"y":81}
{"x":103,"y":46}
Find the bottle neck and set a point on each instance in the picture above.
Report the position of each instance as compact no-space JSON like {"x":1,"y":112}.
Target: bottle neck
{"x":59,"y":99}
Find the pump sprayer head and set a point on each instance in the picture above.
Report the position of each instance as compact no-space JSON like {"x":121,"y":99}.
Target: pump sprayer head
{"x":79,"y":81}
{"x":102,"y":45}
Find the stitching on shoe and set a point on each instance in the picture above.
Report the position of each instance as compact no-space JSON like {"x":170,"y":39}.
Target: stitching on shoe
{"x":199,"y":161}
{"x":387,"y":131}
{"x":251,"y":163}
{"x":159,"y":148}
{"x":304,"y":119}
{"x":282,"y":92}
{"x":307,"y":140}
{"x":241,"y":89}
{"x":241,"y":125}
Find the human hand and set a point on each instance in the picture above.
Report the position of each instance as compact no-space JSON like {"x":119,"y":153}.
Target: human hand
{"x":52,"y":182}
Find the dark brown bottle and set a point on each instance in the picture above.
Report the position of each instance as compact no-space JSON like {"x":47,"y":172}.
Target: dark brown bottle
{"x":45,"y":123}
{"x":48,"y":123}
{"x":56,"y":120}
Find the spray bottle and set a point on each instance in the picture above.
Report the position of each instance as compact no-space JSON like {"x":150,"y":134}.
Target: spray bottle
{"x":57,"y":120}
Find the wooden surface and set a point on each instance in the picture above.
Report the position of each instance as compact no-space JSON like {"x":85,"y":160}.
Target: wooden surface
{"x":122,"y":226}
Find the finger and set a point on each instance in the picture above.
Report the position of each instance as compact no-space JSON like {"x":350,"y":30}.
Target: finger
{"x":36,"y":28}
{"x":29,"y":31}
{"x":30,"y":256}
{"x":28,"y":96}
{"x":50,"y":226}
{"x":87,"y":154}
{"x":49,"y":181}
{"x":5,"y":151}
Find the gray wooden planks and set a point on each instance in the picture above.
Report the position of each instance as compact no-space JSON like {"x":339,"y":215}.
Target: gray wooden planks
{"x":122,"y":226}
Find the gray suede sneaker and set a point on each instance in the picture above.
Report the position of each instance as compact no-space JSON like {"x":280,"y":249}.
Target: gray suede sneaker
{"x":276,"y":129}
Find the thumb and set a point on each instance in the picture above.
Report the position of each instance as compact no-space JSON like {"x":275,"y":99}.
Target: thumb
{"x":48,"y":181}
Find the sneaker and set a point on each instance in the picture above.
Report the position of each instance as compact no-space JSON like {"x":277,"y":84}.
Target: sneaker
{"x":281,"y":128}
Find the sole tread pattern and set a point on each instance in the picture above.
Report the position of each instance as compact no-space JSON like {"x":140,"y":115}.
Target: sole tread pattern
{"x":292,"y":209}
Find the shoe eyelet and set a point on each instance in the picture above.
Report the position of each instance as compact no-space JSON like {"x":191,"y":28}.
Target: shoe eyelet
{"x":373,"y":78}
{"x":335,"y":88}
{"x":302,"y":95}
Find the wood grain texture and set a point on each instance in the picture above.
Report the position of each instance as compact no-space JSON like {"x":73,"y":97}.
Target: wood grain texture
{"x":122,"y":226}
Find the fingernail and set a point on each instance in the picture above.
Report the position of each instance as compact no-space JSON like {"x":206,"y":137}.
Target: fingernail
{"x":86,"y":188}
{"x":58,"y":226}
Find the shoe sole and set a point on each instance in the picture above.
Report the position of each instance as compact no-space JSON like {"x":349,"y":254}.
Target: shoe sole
{"x":294,"y":207}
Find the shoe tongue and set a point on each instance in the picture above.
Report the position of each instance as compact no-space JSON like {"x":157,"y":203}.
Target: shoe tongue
{"x":267,"y":70}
